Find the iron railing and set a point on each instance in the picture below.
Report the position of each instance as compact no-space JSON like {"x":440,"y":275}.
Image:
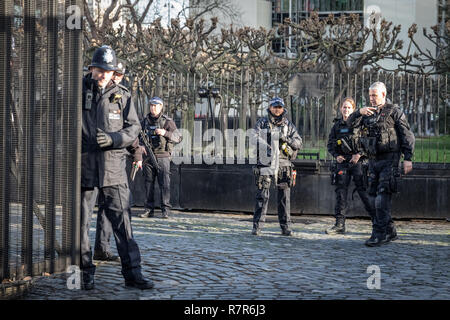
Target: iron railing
{"x":40,"y":143}
{"x":312,"y":101}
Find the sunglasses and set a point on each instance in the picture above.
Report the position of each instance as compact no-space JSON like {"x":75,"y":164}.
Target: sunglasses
{"x":278,"y":107}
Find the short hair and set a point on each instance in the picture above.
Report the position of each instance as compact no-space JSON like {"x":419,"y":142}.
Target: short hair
{"x":380,"y":86}
{"x":351,"y":101}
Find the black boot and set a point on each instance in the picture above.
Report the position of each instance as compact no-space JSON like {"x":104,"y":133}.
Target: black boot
{"x":140,"y":283}
{"x":105,"y":256}
{"x":338,"y":228}
{"x":148,"y":213}
{"x":391,"y":233}
{"x":88,"y":281}
{"x":256,"y":231}
{"x":165,"y":214}
{"x":376,"y":239}
{"x":286,"y":232}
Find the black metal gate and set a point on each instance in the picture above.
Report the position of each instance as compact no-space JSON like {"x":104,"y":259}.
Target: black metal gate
{"x":40,"y":147}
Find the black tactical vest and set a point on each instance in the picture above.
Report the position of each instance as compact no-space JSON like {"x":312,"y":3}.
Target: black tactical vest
{"x":159,"y":143}
{"x":347,"y":141}
{"x":383,"y":129}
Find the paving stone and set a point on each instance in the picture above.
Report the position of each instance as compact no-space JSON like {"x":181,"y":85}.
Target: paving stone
{"x":213,"y":256}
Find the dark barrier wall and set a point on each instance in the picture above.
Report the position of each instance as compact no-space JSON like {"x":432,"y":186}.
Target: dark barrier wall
{"x":423,"y":194}
{"x":40,"y":136}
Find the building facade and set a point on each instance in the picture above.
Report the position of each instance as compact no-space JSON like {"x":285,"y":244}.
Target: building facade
{"x":424,"y":13}
{"x":297,"y":10}
{"x":250,"y":13}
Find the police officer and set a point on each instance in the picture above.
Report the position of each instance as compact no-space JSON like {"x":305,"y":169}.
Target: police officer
{"x":279,"y":137}
{"x":343,"y":144}
{"x":104,"y":231}
{"x":162,"y":134}
{"x":120,"y":73}
{"x":109,"y":125}
{"x":386,"y":135}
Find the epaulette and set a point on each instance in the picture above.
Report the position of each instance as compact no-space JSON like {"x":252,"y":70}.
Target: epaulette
{"x":167,"y":117}
{"x":336,"y":120}
{"x":123,"y":88}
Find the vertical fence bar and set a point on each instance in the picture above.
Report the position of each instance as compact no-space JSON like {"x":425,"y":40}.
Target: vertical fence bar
{"x":445,"y":115}
{"x":221,"y":126}
{"x":241,"y":112}
{"x":438,"y":98}
{"x":5,"y":139}
{"x":424,"y":116}
{"x":401,"y":92}
{"x":431,"y":122}
{"x":437,"y":118}
{"x":52,"y":46}
{"x":75,"y":64}
{"x":28,"y":110}
{"x":318,"y":124}
{"x":415,"y":108}
{"x":445,"y":104}
{"x":235,"y":123}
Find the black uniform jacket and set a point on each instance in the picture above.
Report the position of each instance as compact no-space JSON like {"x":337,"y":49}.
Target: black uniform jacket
{"x":341,"y":130}
{"x":263,"y":129}
{"x":113,"y":112}
{"x":404,"y":137}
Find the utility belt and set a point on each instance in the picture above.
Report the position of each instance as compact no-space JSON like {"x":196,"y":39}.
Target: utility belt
{"x":339,"y":172}
{"x":387,"y":156}
{"x":286,"y":177}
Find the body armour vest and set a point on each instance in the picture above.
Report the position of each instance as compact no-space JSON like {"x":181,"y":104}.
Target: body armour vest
{"x":382,"y":127}
{"x":347,"y":142}
{"x":159,"y":143}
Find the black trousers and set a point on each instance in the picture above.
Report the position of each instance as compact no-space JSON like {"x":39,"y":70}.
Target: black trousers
{"x":104,"y":232}
{"x":382,"y":186}
{"x":163,"y":181}
{"x":114,"y":206}
{"x":342,"y":185}
{"x":284,"y":206}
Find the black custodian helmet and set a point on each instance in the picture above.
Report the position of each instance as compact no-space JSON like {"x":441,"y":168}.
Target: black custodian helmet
{"x":104,"y":58}
{"x":121,"y":66}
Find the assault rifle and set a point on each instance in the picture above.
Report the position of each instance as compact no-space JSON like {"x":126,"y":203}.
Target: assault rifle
{"x":151,"y":156}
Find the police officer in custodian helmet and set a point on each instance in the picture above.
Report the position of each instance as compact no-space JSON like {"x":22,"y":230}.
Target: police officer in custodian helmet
{"x":109,"y":125}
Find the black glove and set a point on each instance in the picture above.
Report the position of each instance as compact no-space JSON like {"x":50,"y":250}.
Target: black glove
{"x":103,"y":139}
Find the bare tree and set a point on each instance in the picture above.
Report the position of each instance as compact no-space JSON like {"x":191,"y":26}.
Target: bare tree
{"x":418,"y":59}
{"x":197,"y":49}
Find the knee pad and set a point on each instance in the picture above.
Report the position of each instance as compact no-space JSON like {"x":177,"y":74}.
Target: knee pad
{"x":384,"y":186}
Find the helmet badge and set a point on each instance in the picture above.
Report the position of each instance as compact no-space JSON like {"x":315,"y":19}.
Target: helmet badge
{"x":108,"y":56}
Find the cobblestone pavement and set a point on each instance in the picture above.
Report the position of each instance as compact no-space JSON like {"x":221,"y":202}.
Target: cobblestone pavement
{"x":195,"y":255}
